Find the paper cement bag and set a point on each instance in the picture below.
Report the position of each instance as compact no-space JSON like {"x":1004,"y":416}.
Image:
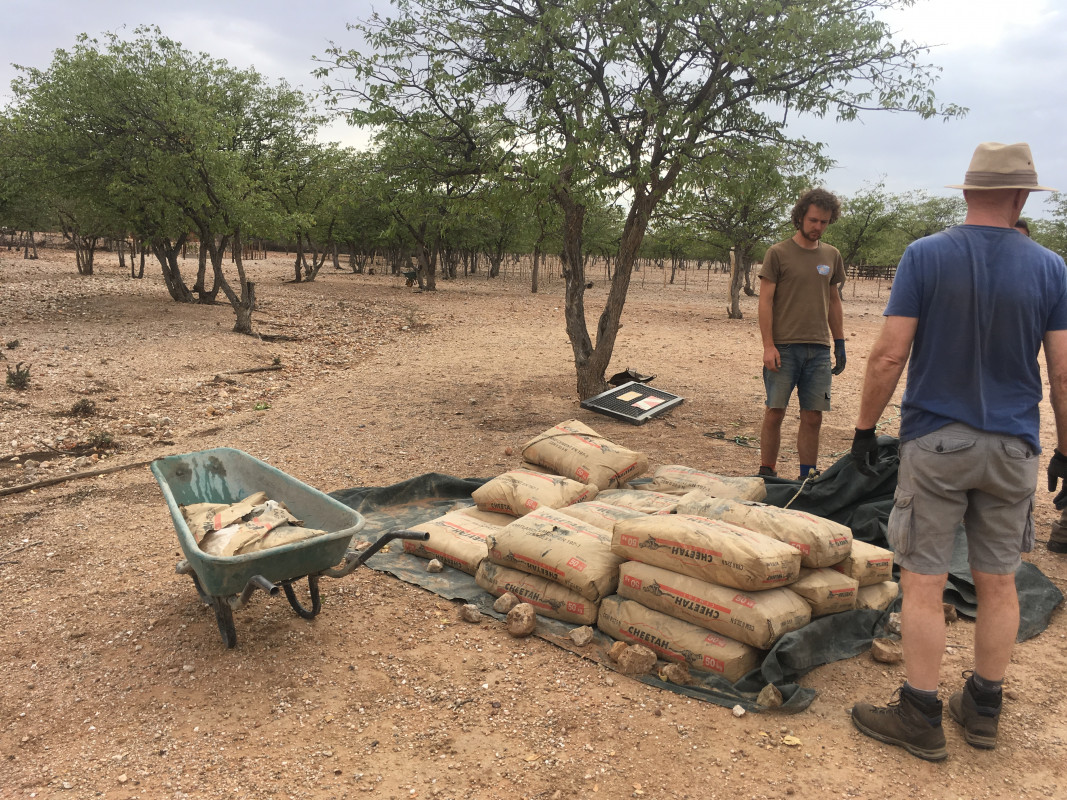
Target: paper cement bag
{"x":826,"y":590}
{"x":867,"y":563}
{"x":754,"y":618}
{"x":519,"y":492}
{"x":877,"y":596}
{"x":821,"y":542}
{"x":548,"y":598}
{"x":577,"y":451}
{"x":253,"y":524}
{"x":204,"y":518}
{"x":643,"y":500}
{"x":561,"y":548}
{"x":708,"y":549}
{"x":456,"y":539}
{"x":675,"y":479}
{"x":676,"y":640}
{"x":603,"y":515}
{"x":488,"y":517}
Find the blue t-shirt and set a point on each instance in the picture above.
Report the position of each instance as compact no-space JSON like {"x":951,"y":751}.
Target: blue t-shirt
{"x":984,"y":298}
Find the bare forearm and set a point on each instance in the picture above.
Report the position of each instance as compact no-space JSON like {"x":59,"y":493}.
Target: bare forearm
{"x":883,"y":375}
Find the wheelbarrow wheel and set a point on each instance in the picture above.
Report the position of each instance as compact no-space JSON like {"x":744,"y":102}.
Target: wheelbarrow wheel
{"x":224,"y":618}
{"x":313,"y":590}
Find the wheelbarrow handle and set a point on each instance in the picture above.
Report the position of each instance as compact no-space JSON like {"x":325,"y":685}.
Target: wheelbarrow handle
{"x":354,"y":559}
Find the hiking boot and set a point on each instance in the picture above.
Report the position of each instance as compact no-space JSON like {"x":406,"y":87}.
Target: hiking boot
{"x":1057,"y":546}
{"x":978,"y":715}
{"x":902,"y":723}
{"x":767,"y":472}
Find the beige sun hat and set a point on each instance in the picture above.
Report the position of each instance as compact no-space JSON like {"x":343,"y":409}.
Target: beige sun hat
{"x":1002,"y":166}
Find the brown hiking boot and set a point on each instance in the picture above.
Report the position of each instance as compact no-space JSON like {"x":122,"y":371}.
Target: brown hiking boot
{"x":979,"y":718}
{"x":902,"y":723}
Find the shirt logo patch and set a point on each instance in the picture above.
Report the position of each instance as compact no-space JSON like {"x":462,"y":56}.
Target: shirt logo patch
{"x":824,"y":269}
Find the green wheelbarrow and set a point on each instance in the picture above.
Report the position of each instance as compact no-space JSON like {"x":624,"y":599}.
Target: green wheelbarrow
{"x":226,"y":583}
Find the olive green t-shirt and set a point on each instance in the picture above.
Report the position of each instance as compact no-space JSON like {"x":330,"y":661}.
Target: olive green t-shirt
{"x":802,"y":281}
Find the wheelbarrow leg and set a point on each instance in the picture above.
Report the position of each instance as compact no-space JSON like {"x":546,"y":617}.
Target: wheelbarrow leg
{"x":313,"y":589}
{"x":223,"y":611}
{"x":224,"y":617}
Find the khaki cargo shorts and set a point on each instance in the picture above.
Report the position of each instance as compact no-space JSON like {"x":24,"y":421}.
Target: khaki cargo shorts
{"x":957,"y":475}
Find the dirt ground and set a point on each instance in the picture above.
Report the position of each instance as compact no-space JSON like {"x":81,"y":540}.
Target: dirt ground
{"x":116,"y":681}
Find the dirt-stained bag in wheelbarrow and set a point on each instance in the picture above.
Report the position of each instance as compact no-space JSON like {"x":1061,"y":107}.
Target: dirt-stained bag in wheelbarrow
{"x":250,"y":525}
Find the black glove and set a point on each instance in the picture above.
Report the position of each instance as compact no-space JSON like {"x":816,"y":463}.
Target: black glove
{"x":1057,"y":468}
{"x":865,"y":451}
{"x":839,"y":357}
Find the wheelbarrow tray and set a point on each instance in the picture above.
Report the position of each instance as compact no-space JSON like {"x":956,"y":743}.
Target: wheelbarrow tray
{"x":226,"y":475}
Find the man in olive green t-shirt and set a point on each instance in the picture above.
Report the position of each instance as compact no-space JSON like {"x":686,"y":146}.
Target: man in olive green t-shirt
{"x":799,"y":308}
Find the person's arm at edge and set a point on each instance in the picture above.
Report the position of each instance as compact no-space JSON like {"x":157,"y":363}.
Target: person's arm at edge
{"x":771,"y":358}
{"x":885,"y":365}
{"x":1055,"y":344}
{"x":836,"y":313}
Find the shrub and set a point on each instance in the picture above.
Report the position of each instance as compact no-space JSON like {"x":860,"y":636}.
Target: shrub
{"x":83,"y":408}
{"x":18,"y":378}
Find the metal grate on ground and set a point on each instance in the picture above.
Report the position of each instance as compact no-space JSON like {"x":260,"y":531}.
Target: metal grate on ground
{"x":632,"y":402}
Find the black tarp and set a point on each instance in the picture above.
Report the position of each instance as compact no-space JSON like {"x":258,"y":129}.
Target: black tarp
{"x":840,"y":494}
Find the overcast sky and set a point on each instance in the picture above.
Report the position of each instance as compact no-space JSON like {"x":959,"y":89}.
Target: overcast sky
{"x":1008,"y":68}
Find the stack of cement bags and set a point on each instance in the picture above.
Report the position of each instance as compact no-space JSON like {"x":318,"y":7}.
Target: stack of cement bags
{"x":719,"y":579}
{"x":689,"y":563}
{"x":521,"y":538}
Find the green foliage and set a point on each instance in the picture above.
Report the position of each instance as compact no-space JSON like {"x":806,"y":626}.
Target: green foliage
{"x":1052,"y":231}
{"x":18,"y":378}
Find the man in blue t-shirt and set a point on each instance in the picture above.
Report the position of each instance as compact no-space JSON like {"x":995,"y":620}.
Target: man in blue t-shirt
{"x":970,"y":309}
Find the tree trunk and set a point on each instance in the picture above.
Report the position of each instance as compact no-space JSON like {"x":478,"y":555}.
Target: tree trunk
{"x":535,"y":271}
{"x":591,"y":361}
{"x":298,"y":264}
{"x":736,"y":279}
{"x":242,"y":304}
{"x":166,"y":252}
{"x":746,"y":255}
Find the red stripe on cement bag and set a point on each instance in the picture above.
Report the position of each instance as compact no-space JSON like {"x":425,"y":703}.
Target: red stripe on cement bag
{"x":561,"y":548}
{"x":826,"y":590}
{"x":577,"y":451}
{"x":754,"y":618}
{"x":674,"y":639}
{"x":867,"y":563}
{"x":547,"y":597}
{"x":708,"y":549}
{"x":821,"y":541}
{"x":676,"y":479}
{"x":519,"y":492}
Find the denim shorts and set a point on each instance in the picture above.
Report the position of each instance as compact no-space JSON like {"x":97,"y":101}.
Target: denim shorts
{"x":956,"y":475}
{"x":806,"y":368}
